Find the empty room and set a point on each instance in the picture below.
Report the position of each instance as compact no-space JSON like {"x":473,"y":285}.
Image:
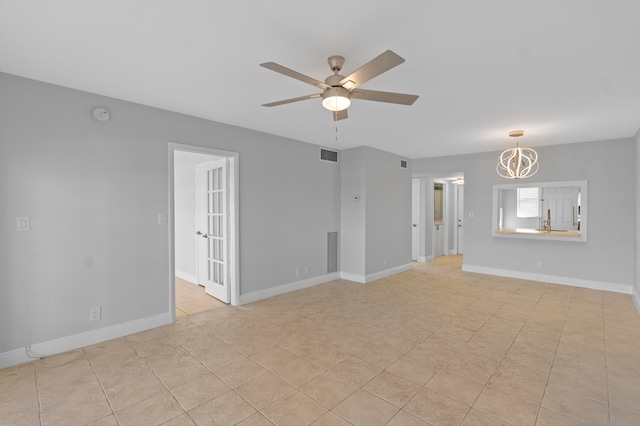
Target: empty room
{"x":285,"y":213}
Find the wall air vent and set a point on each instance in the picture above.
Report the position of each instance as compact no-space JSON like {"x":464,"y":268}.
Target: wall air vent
{"x":332,"y":252}
{"x":403,"y":164}
{"x":328,"y":155}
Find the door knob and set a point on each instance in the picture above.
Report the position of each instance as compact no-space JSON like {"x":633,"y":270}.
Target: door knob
{"x":415,"y":226}
{"x":198,"y":233}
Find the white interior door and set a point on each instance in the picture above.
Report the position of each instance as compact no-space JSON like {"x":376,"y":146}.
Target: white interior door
{"x":212,"y":233}
{"x":415,"y":219}
{"x":460,"y":214}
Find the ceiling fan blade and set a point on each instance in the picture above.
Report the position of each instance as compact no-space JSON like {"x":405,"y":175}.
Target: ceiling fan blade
{"x":374,"y":95}
{"x":376,"y":66}
{"x":294,"y":74}
{"x":340,"y":115}
{"x":288,"y":101}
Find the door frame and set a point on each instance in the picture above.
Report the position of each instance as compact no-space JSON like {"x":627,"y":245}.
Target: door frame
{"x":234,"y":219}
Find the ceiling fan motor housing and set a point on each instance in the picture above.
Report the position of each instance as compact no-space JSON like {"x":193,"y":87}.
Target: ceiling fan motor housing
{"x":335,"y":62}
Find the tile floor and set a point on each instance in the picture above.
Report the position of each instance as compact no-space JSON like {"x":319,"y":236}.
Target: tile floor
{"x":191,"y":299}
{"x":430,"y":346}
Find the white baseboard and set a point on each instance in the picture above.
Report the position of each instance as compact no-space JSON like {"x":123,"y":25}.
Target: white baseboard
{"x":423,"y":259}
{"x":285,"y":288}
{"x":68,"y":343}
{"x":376,"y":275}
{"x":187,"y":277}
{"x":552,"y":279}
{"x":636,"y":298}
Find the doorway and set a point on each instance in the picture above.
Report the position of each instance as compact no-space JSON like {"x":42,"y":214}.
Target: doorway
{"x":203,"y":226}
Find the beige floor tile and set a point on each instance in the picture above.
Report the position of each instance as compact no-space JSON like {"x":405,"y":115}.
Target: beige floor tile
{"x":516,"y":385}
{"x":436,"y":408}
{"x":396,"y":344}
{"x":134,"y":389}
{"x":576,"y":406}
{"x":329,"y":389}
{"x":256,"y":419}
{"x":412,"y":370}
{"x":239,"y":372}
{"x":528,"y":361}
{"x":226,"y":409}
{"x":155,"y":410}
{"x":331,"y":419}
{"x":78,"y":412}
{"x":356,"y":370}
{"x":110,"y":420}
{"x":511,"y":335}
{"x":478,"y":418}
{"x":298,"y":371}
{"x":622,"y":417}
{"x":392,"y":388}
{"x":20,"y":411}
{"x":363,"y":408}
{"x":469,"y":368}
{"x":377,"y":356}
{"x":507,"y":408}
{"x":587,"y":381}
{"x":402,"y":418}
{"x":199,"y":391}
{"x":294,"y":409}
{"x":324,"y":356}
{"x":626,"y":398}
{"x":455,"y":387}
{"x":547,"y":417}
{"x":432,"y":355}
{"x":218,"y":357}
{"x":57,"y":393}
{"x":264,"y":389}
{"x":182,"y":372}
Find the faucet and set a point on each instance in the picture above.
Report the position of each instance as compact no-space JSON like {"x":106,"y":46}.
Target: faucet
{"x":547,"y":223}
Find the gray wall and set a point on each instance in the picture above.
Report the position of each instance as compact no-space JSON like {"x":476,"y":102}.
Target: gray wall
{"x":609,"y":254}
{"x":94,"y":192}
{"x":637,"y":198}
{"x":376,"y":229}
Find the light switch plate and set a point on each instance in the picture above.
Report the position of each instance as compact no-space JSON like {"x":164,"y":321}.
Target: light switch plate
{"x":162,"y":219}
{"x":23,"y":223}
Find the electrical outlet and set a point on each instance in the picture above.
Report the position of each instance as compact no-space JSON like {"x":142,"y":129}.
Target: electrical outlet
{"x":95,"y":314}
{"x":539,"y":264}
{"x":306,"y":270}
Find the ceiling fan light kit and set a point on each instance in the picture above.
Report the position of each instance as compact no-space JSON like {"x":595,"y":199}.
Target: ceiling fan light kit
{"x":517,"y":163}
{"x":337,"y":90}
{"x":336,"y":99}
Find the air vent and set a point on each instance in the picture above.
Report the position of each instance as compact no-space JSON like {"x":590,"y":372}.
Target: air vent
{"x":332,"y":252}
{"x":403,"y":164}
{"x":327,"y":155}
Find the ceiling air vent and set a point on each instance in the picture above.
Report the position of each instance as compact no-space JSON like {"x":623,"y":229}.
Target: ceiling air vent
{"x":403,"y":164}
{"x":327,"y":155}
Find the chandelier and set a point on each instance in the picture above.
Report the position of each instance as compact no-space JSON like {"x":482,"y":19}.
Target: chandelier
{"x":517,"y":163}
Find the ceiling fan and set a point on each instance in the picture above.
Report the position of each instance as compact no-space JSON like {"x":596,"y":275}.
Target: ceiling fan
{"x":337,"y":90}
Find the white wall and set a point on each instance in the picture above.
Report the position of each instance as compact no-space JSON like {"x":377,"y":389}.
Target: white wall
{"x":606,"y":259}
{"x":94,"y":192}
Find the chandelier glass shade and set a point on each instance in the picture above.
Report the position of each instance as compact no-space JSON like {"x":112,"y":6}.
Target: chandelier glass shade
{"x":336,"y":99}
{"x":517,"y":163}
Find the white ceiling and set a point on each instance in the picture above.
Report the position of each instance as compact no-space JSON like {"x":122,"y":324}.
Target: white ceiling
{"x":563,"y":70}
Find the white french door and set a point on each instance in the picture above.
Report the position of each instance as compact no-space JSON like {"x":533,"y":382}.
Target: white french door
{"x":212,"y":234}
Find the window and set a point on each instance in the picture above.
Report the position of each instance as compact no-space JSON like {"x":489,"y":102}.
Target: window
{"x":528,"y":202}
